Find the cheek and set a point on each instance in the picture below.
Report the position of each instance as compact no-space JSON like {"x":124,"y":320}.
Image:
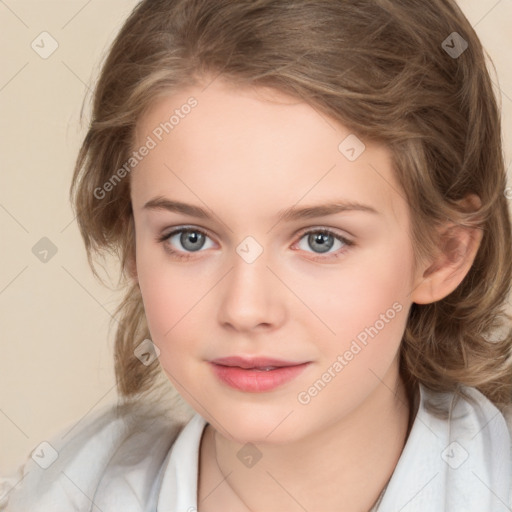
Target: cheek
{"x":363,"y":307}
{"x":366,"y":286}
{"x":164,"y":292}
{"x":170,"y":314}
{"x":173,"y":303}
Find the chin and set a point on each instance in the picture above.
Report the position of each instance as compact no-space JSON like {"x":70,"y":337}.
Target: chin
{"x":259,"y":426}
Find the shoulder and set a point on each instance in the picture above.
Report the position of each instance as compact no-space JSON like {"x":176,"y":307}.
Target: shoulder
{"x":462,"y":445}
{"x":466,"y":407}
{"x":121,"y":448}
{"x":468,"y":414}
{"x":478,"y":441}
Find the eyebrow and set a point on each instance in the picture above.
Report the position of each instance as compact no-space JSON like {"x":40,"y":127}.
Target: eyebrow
{"x":288,"y":214}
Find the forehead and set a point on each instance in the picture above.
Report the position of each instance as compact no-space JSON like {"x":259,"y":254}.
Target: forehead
{"x":256,"y":146}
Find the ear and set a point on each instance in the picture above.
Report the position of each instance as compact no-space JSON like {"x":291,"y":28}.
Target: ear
{"x":457,"y":250}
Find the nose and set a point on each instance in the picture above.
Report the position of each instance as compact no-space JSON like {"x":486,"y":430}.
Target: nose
{"x":251,"y":297}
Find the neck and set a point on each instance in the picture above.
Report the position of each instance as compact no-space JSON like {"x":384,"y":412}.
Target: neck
{"x":347,"y":463}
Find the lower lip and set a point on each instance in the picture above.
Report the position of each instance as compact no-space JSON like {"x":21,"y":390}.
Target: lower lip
{"x":256,"y":381}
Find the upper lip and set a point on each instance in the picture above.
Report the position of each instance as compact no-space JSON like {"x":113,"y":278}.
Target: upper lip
{"x":253,"y":362}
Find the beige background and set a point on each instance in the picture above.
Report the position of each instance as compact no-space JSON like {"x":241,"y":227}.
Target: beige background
{"x":55,"y":364}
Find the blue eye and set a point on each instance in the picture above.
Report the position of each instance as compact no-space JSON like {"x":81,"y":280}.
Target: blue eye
{"x":193,"y":240}
{"x":323,"y":240}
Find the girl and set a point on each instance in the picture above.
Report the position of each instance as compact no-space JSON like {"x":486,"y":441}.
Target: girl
{"x":308,"y":201}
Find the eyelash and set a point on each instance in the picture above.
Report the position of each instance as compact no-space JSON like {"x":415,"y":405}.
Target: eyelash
{"x":323,"y":231}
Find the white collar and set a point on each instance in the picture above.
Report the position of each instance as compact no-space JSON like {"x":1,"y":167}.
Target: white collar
{"x":463,"y":464}
{"x":459,"y":464}
{"x":179,"y":481}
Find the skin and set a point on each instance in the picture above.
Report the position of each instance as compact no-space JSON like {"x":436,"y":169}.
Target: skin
{"x":244,"y":155}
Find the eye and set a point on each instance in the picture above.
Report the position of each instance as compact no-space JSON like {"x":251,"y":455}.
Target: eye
{"x":191,"y":239}
{"x":322,"y":240}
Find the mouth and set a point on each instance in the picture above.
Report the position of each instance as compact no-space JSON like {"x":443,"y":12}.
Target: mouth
{"x":255,"y":363}
{"x":256,"y":374}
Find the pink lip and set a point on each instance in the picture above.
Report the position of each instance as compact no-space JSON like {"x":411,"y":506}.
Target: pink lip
{"x":242,"y":373}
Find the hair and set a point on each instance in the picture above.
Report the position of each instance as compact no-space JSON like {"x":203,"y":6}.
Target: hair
{"x":380,"y":67}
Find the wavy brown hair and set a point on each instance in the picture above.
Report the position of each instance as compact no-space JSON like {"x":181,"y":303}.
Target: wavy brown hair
{"x":380,"y":67}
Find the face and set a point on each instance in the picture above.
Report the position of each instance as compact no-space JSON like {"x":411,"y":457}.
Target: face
{"x":329,"y":289}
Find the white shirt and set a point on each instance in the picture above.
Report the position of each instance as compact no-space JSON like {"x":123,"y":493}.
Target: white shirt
{"x":118,"y":463}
